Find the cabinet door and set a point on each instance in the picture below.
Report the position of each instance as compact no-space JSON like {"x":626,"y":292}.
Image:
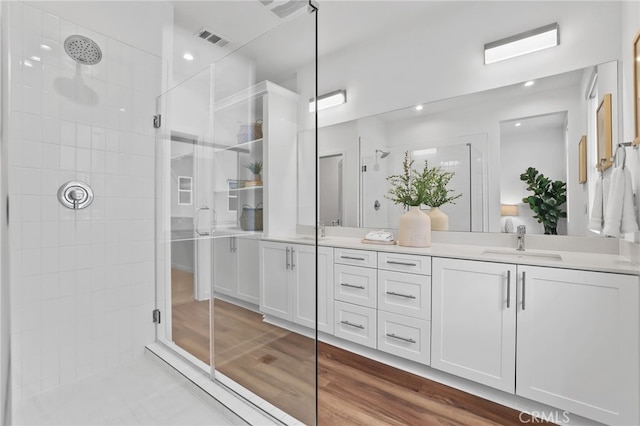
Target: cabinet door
{"x":356,"y":285}
{"x":224,"y":266}
{"x":304,"y":287}
{"x":274,"y":273}
{"x":248,"y":270}
{"x":355,"y":323}
{"x":474,"y":321}
{"x":578,"y":342}
{"x":405,"y":294}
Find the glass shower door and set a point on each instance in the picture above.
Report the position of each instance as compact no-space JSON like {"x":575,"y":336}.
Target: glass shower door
{"x":264,"y":298}
{"x":185,"y":218}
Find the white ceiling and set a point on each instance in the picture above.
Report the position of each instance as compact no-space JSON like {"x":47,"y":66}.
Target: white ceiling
{"x":278,"y":53}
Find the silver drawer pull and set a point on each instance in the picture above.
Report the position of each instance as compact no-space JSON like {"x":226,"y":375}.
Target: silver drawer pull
{"x":408,"y":296}
{"x":393,"y":262}
{"x":352,"y":258}
{"x":361,"y":327}
{"x":404,"y":339}
{"x":352,"y":285}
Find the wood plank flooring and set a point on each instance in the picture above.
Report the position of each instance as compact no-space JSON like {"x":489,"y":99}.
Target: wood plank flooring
{"x":279,"y":366}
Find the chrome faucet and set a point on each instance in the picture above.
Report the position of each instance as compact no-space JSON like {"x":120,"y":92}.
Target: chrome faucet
{"x":520,"y":237}
{"x":322,"y":230}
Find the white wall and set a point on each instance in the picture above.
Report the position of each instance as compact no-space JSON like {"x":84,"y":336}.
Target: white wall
{"x":82,"y":282}
{"x":541,"y":149}
{"x":445,"y":58}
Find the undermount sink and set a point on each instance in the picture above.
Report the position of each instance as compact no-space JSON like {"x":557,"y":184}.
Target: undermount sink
{"x":523,"y":254}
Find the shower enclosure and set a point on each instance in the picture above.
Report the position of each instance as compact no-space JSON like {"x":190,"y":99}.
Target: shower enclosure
{"x":226,"y":179}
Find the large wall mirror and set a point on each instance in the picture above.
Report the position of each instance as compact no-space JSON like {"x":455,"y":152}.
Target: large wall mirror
{"x":487,"y":139}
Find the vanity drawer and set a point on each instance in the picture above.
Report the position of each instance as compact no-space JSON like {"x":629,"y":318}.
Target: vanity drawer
{"x":355,"y":285}
{"x":406,"y":337}
{"x":405,"y":294}
{"x":412,"y":263}
{"x":355,"y":257}
{"x":355,"y":323}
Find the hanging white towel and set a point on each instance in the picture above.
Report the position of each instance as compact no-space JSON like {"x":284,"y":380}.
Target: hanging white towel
{"x":597,"y":214}
{"x":629,"y":222}
{"x":619,"y":208}
{"x":597,"y":211}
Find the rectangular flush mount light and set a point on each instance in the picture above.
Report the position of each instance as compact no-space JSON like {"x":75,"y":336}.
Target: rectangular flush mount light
{"x":328,"y":100}
{"x":521,"y":44}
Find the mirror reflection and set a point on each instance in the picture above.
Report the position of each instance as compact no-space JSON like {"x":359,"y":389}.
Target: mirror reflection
{"x":488,"y":139}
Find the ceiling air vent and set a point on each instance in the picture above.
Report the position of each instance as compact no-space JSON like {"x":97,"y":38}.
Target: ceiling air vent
{"x":207,"y":35}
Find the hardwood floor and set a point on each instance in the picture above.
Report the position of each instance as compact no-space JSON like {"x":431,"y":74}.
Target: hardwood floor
{"x":280,"y":367}
{"x":190,"y":322}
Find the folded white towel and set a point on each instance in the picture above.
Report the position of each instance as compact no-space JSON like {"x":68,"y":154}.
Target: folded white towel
{"x":619,"y":213}
{"x":379,"y":236}
{"x":597,"y":213}
{"x":629,"y":221}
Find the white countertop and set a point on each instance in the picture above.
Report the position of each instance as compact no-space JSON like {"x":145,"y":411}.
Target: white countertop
{"x":569,"y":260}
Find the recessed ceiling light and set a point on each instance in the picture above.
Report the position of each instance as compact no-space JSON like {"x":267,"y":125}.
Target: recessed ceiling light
{"x":518,"y":124}
{"x":35,"y":58}
{"x":419,"y":108}
{"x":529,"y":83}
{"x":188,"y":56}
{"x":27,"y":64}
{"x":123,"y":110}
{"x":45,"y":47}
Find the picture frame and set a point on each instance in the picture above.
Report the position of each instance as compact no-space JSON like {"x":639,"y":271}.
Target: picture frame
{"x":636,"y":89}
{"x":582,"y":159}
{"x":604,"y":133}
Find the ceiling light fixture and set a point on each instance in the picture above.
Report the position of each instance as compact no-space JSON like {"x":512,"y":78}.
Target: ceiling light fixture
{"x":523,"y":43}
{"x":188,"y":56}
{"x":419,"y":108}
{"x":328,"y":100}
{"x":45,"y":47}
{"x":529,"y":83}
{"x":518,"y":124}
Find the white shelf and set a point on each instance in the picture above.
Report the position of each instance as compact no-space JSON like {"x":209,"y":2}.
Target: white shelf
{"x":243,"y":147}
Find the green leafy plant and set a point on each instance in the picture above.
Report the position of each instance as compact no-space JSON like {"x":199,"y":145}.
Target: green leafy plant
{"x":413,"y":188}
{"x":255,"y":167}
{"x":547,"y":199}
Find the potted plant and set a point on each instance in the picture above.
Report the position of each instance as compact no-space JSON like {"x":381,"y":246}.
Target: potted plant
{"x":547,"y":199}
{"x":409,"y":190}
{"x":255,"y":167}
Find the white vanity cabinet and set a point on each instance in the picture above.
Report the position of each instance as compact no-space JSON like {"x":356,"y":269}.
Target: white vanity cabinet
{"x":474,"y":321}
{"x":355,"y":295}
{"x":577,"y":341}
{"x":288,"y":283}
{"x":235,"y":267}
{"x":404,"y":306}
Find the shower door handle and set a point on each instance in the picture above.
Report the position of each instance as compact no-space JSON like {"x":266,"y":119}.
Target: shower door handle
{"x":197,"y":224}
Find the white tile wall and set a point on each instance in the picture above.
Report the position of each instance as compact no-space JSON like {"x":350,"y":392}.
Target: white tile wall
{"x":82,"y":281}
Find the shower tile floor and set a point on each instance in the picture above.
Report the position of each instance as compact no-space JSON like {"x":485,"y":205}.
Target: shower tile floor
{"x":141,"y":392}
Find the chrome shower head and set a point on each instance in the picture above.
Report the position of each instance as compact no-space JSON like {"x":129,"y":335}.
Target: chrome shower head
{"x":83,"y":50}
{"x":383,"y":154}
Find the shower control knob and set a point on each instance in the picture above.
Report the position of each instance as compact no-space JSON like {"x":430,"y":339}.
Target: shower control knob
{"x":75,"y":195}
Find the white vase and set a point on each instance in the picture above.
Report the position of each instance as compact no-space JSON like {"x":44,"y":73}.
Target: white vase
{"x":439,"y":219}
{"x":414,"y":229}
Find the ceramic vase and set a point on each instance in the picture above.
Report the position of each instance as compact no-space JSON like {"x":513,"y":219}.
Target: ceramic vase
{"x":414,"y":229}
{"x":439,"y":219}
